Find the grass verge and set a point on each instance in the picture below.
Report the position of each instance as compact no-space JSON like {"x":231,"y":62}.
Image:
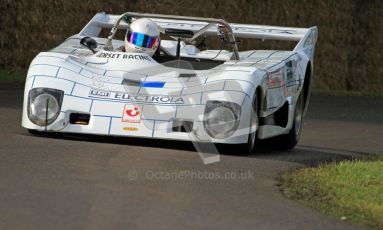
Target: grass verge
{"x":349,"y":190}
{"x":12,"y":77}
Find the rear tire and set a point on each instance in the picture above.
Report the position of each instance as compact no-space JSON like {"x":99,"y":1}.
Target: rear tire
{"x":290,"y":140}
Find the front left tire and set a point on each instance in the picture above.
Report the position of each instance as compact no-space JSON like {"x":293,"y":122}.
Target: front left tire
{"x":248,"y":148}
{"x":290,"y":140}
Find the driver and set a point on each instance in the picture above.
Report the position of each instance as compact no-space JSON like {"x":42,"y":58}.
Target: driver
{"x":142,"y":36}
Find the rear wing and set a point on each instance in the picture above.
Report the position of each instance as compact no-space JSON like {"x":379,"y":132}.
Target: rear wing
{"x":305,"y":37}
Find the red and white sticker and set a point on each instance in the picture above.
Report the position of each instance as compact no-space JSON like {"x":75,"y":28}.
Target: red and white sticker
{"x":131,"y":113}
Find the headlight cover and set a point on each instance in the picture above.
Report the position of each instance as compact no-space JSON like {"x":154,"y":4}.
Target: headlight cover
{"x":44,"y":105}
{"x":221,"y":119}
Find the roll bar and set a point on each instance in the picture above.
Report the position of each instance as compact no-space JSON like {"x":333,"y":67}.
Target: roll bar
{"x":211,"y":22}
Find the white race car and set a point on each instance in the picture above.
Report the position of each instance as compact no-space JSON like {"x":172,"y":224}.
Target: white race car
{"x":89,"y":85}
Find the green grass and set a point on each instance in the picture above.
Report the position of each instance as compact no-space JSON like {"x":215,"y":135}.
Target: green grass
{"x":351,"y":190}
{"x":12,"y":77}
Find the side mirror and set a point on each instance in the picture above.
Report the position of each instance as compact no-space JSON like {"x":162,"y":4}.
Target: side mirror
{"x":89,"y":43}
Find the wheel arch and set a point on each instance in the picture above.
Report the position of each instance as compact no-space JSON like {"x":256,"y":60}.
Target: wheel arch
{"x":306,"y":88}
{"x":258,"y":95}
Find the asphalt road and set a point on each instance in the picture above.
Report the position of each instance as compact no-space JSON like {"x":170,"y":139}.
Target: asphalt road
{"x":82,"y":183}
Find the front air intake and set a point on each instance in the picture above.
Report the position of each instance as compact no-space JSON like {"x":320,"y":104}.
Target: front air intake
{"x":79,"y":118}
{"x":182,"y":126}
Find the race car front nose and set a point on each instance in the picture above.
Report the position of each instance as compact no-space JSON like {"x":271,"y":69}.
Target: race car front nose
{"x":44,"y":105}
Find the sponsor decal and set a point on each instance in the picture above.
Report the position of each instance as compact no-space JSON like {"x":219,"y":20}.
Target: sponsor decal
{"x":153,"y":84}
{"x":145,"y":84}
{"x":120,"y":96}
{"x":99,"y":93}
{"x":131,"y":114}
{"x":130,"y":129}
{"x":275,"y":78}
{"x":123,"y":56}
{"x":289,"y":70}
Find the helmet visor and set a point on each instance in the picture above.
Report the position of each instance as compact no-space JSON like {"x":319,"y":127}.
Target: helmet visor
{"x":142,"y":40}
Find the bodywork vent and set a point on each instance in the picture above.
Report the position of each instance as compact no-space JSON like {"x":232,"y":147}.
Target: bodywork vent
{"x":79,"y":118}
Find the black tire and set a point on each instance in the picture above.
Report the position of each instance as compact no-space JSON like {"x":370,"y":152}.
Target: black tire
{"x":248,"y":148}
{"x":34,"y":132}
{"x":290,"y":140}
{"x":39,"y":133}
